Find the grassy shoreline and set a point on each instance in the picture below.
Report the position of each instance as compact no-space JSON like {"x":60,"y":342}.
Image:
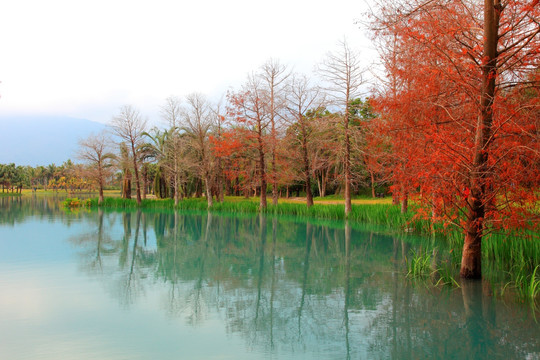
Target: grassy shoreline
{"x":374,"y":212}
{"x":6,"y":194}
{"x":513,"y":258}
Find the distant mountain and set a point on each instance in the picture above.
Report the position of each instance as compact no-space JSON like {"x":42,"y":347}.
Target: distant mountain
{"x":42,"y":140}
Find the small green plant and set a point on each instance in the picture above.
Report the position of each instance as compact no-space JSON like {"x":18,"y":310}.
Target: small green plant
{"x":87,"y":202}
{"x":446,"y":275}
{"x":419,"y":264}
{"x":526,"y":286}
{"x":71,"y":203}
{"x":533,"y":289}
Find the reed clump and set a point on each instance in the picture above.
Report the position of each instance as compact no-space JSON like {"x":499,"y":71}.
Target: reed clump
{"x":76,"y":203}
{"x":418,"y":264}
{"x":424,"y":266}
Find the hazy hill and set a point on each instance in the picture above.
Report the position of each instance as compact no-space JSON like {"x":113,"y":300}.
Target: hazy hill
{"x":42,"y":140}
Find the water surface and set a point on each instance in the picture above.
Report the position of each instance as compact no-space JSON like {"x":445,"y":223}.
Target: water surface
{"x":173,"y":285}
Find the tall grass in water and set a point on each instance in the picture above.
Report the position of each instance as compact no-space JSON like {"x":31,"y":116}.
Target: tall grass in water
{"x":525,"y":284}
{"x":514,"y":256}
{"x":510,"y":258}
{"x":423,"y":266}
{"x":382,"y":214}
{"x":533,"y":285}
{"x":330,"y":211}
{"x":418,"y":264}
{"x":243,"y":207}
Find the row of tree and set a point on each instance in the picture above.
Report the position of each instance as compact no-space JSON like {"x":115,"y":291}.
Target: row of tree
{"x":68,"y":176}
{"x":279,"y":131}
{"x":455,"y":122}
{"x":457,"y":125}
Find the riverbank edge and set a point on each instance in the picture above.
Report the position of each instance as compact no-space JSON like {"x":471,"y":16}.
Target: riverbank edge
{"x":513,"y":254}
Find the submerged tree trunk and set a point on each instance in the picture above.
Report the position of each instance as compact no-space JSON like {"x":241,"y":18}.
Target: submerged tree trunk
{"x":471,"y":261}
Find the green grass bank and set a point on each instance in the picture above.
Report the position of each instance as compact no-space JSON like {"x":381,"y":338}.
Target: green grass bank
{"x":512,"y":258}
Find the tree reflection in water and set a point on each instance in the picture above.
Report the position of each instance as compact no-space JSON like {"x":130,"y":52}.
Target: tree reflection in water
{"x":302,"y":287}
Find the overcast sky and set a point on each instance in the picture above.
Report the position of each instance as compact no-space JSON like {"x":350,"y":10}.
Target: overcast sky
{"x":85,"y":59}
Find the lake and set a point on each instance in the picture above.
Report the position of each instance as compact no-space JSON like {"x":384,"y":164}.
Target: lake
{"x":185,"y":285}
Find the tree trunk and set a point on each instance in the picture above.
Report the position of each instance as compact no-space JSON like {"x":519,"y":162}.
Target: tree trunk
{"x":348,"y":202}
{"x":209,"y":197}
{"x":137,"y":180}
{"x":144,"y":187}
{"x":404,"y":200}
{"x":322,"y":184}
{"x":307,"y":171}
{"x":198,"y":188}
{"x":348,"y":177}
{"x":176,"y":188}
{"x":262,"y":172}
{"x":372,"y":176}
{"x":471,"y":261}
{"x":220,"y":183}
{"x":101,"y":197}
{"x":275,"y":194}
{"x":126,"y":185}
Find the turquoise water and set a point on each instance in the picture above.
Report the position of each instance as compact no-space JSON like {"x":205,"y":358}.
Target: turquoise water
{"x":170,"y":285}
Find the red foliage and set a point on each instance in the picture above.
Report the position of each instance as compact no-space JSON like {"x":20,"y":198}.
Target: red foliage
{"x":435,"y":61}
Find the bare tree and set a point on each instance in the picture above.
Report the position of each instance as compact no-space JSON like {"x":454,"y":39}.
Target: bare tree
{"x":344,"y":77}
{"x":218,"y":124}
{"x":171,"y":112}
{"x":302,"y":97}
{"x":274,"y":76}
{"x":197,"y":122}
{"x":95,"y":150}
{"x":130,"y":126}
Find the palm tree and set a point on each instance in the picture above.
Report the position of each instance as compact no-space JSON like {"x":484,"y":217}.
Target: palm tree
{"x":124,"y":162}
{"x":2,"y":176}
{"x":50,"y":173}
{"x":156,"y":151}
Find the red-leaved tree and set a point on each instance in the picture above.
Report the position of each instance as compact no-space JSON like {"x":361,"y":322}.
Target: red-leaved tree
{"x":461,"y":110}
